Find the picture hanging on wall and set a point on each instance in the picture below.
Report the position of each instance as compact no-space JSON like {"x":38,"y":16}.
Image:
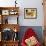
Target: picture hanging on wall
{"x":30,"y":13}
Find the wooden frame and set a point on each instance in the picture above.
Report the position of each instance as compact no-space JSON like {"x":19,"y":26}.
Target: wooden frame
{"x":5,"y":12}
{"x":0,"y":36}
{"x":0,"y":19}
{"x":30,"y":13}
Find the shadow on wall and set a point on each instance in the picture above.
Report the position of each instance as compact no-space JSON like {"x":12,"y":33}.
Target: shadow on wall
{"x":37,"y":29}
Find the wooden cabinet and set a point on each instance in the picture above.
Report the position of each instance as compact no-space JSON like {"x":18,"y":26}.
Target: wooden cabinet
{"x":9,"y":29}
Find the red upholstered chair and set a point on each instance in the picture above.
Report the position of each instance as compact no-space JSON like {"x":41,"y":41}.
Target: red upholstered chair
{"x":28,"y":34}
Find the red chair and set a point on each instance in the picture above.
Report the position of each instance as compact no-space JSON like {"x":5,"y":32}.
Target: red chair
{"x":29,"y":33}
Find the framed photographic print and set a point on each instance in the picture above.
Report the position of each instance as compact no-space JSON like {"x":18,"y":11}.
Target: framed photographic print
{"x":30,"y":13}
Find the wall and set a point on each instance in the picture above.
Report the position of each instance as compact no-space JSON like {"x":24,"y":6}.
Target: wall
{"x":27,"y":4}
{"x":31,"y":4}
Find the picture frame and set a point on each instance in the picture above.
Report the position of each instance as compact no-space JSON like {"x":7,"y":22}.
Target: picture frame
{"x":30,"y":13}
{"x":13,"y":12}
{"x":5,"y":12}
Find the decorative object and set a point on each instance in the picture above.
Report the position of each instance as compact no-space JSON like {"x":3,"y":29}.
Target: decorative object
{"x":5,"y":12}
{"x":15,"y":3}
{"x":30,"y":13}
{"x":31,"y":41}
{"x":13,"y":12}
{"x":7,"y":34}
{"x":15,"y":30}
{"x":15,"y":36}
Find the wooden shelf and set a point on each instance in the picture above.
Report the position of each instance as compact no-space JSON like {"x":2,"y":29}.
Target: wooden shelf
{"x":6,"y":12}
{"x":14,"y":10}
{"x":9,"y":43}
{"x":10,"y":26}
{"x":2,"y":8}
